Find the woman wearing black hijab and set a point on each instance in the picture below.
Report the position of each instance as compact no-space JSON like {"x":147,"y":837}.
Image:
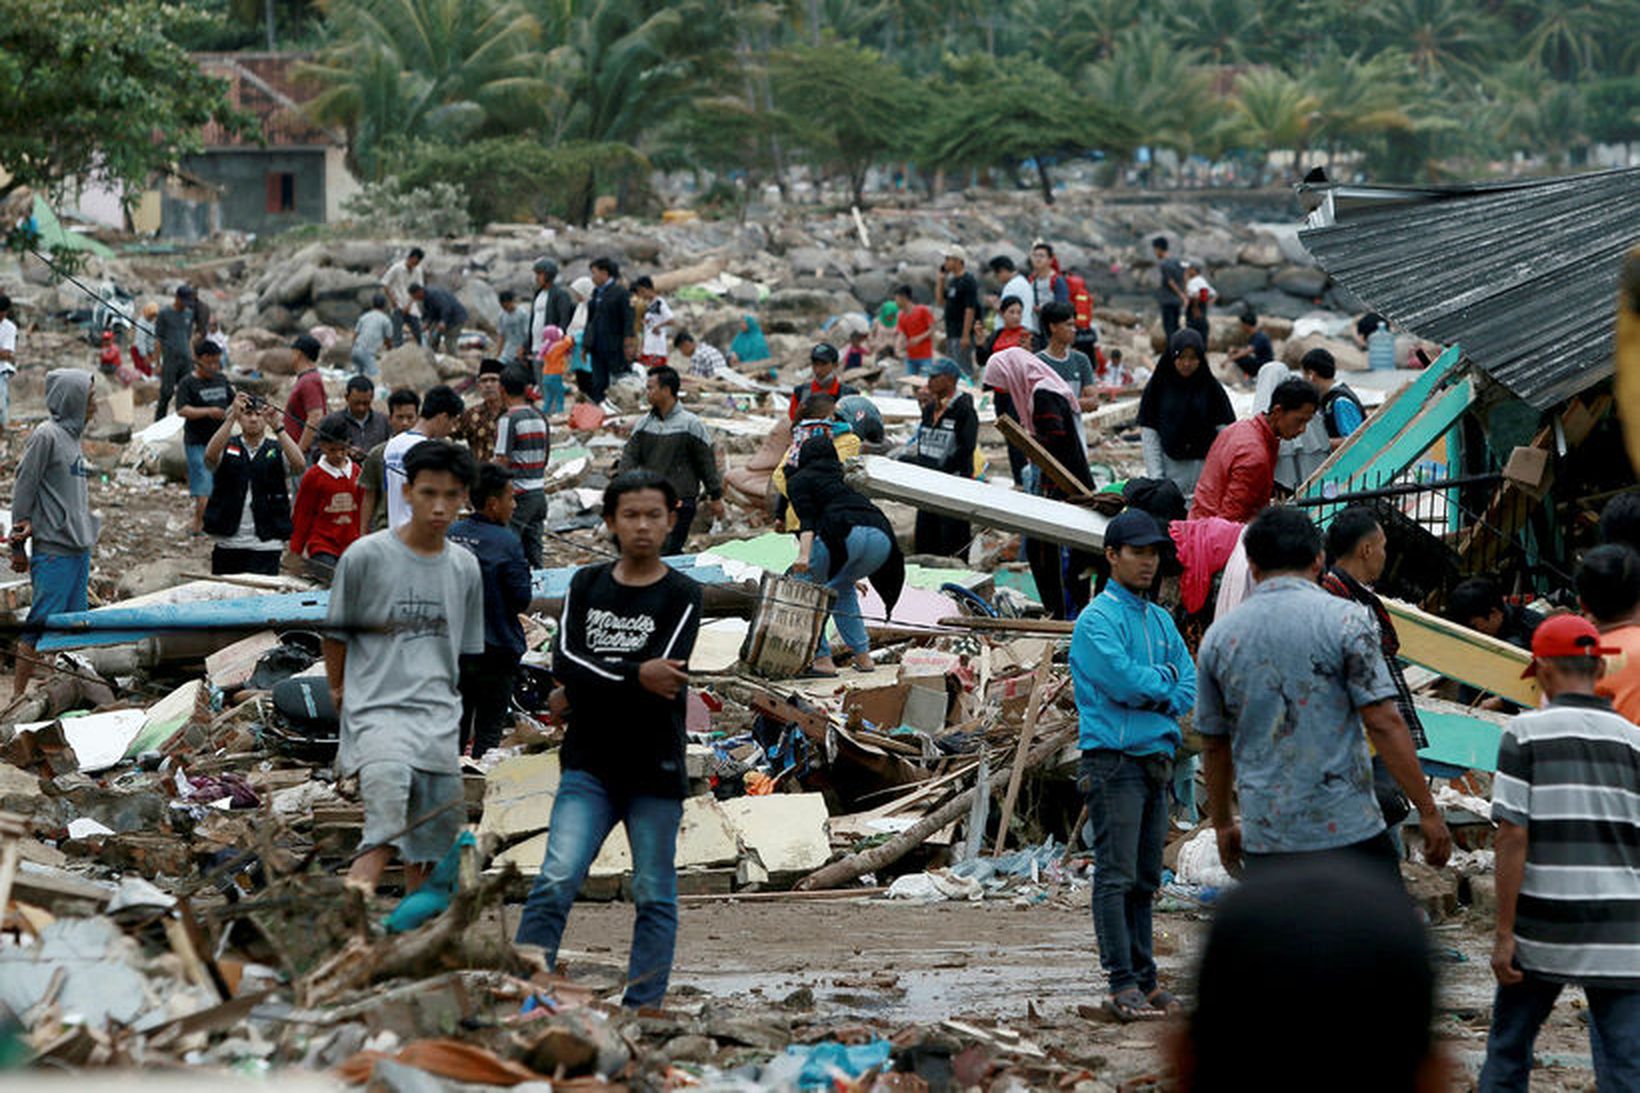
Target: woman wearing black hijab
{"x":1182,"y":410}
{"x":842,"y":538}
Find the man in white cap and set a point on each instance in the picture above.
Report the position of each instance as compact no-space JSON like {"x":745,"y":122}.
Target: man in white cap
{"x":960,"y":291}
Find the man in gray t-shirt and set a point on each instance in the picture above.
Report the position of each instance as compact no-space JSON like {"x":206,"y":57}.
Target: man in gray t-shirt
{"x":1290,"y":687}
{"x":406,"y":608}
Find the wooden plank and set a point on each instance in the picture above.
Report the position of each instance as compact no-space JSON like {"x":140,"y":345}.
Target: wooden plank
{"x":980,"y":502}
{"x":1033,"y":710}
{"x":1463,"y":654}
{"x":1381,"y":427}
{"x":1059,"y":474}
{"x":1011,"y":626}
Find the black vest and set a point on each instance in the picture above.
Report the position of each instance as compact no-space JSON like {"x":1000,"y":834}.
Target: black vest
{"x":264,"y":475}
{"x":1337,"y":392}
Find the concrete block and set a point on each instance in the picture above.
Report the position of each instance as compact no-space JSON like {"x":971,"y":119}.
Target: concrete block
{"x":787,"y":830}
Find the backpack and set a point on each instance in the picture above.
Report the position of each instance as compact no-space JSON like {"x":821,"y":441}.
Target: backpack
{"x":1328,"y":407}
{"x":1081,"y":301}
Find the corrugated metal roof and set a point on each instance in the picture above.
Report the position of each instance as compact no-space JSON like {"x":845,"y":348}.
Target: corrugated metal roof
{"x":1522,"y":274}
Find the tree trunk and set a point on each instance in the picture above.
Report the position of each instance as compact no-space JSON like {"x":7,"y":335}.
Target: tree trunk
{"x":267,"y":14}
{"x":1043,"y":179}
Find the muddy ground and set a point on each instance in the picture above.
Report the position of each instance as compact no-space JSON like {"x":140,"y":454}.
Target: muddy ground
{"x":884,"y":964}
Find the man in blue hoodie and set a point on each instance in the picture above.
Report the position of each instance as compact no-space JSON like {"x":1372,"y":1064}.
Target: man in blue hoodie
{"x":1134,"y":678}
{"x":51,"y":505}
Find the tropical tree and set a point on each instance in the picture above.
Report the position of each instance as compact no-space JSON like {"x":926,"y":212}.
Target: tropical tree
{"x":1358,"y":98}
{"x":1025,"y":113}
{"x":446,"y":70}
{"x":1567,"y":37}
{"x":1449,"y":39}
{"x":1274,"y":111}
{"x":1222,"y":31}
{"x":1070,"y":35}
{"x":845,"y":104}
{"x":1157,"y":90}
{"x":93,"y":89}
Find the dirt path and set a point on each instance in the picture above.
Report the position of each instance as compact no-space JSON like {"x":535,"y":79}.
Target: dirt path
{"x":897,"y":964}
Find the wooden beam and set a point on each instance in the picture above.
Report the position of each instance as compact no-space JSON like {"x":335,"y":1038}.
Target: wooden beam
{"x":980,"y":502}
{"x":1460,"y":653}
{"x":1033,"y":711}
{"x":1055,"y":627}
{"x":1014,"y":433}
{"x":1384,"y":425}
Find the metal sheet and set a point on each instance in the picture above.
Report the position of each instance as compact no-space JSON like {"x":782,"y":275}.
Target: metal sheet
{"x":1522,"y":273}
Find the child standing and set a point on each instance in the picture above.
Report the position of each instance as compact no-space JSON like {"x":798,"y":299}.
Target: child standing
{"x":621,"y":660}
{"x":8,"y":359}
{"x":142,"y":346}
{"x":657,"y":318}
{"x":554,"y":364}
{"x":326,"y":517}
{"x":514,"y":328}
{"x":373,"y":331}
{"x":487,"y":679}
{"x":855,"y":356}
{"x":405,"y":607}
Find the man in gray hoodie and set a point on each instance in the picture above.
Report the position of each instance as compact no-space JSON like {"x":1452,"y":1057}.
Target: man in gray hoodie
{"x":51,"y":505}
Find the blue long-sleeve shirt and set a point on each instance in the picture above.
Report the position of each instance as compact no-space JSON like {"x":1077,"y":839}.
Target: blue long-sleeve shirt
{"x":1132,"y":673}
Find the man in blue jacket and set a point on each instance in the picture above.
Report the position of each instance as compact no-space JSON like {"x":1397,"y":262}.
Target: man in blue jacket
{"x":1134,"y":679}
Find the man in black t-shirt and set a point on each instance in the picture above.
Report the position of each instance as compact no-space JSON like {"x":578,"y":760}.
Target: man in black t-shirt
{"x":203,"y":399}
{"x":621,"y":661}
{"x":960,"y":291}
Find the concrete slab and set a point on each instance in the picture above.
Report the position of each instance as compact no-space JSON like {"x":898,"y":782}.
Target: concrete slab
{"x":788,"y":830}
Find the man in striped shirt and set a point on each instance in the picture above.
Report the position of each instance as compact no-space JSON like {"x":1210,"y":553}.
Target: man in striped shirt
{"x":1566,"y":799}
{"x":521,"y":445}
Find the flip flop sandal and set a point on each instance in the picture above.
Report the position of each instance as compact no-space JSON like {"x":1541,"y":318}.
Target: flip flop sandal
{"x":1130,"y":1006}
{"x":1164,"y":1001}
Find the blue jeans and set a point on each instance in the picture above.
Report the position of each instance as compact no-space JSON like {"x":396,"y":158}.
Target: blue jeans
{"x":583,"y":815}
{"x":59,"y":583}
{"x":868,"y":549}
{"x":1127,"y":807}
{"x":552,"y":394}
{"x":1518,"y":1012}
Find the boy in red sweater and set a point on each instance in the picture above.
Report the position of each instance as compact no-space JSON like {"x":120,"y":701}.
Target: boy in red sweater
{"x":326,"y":516}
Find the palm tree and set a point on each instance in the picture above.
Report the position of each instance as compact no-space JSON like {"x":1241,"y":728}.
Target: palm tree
{"x":1221,"y":30}
{"x":1449,"y":39}
{"x":1566,"y":37}
{"x":1276,"y":112}
{"x":424,"y":69}
{"x":1157,"y":89}
{"x":1070,"y":35}
{"x":1358,"y":98}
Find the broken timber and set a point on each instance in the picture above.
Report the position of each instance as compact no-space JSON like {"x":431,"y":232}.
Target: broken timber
{"x":978,"y":502}
{"x":1466,"y":655}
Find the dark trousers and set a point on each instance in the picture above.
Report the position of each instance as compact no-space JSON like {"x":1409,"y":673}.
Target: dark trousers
{"x":594,"y":384}
{"x":1170,"y":318}
{"x":527,"y":521}
{"x":1199,"y":324}
{"x":945,"y":536}
{"x":486,"y":697}
{"x":401,"y":319}
{"x":1518,"y":1012}
{"x":1059,"y":582}
{"x":1378,"y":851}
{"x":227,"y":560}
{"x":1127,"y":808}
{"x":171,"y":371}
{"x":678,"y":537}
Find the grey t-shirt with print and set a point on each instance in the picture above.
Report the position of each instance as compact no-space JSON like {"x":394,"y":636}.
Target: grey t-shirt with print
{"x":400,"y":701}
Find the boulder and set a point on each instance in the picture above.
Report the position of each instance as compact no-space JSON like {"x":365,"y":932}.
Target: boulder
{"x":340,"y":311}
{"x":329,"y":282}
{"x":1236,"y":282}
{"x":295,"y":287}
{"x":276,"y":319}
{"x":1277,"y":303}
{"x":872,"y":287}
{"x":1305,"y":283}
{"x":810,"y":261}
{"x":482,"y":303}
{"x":361,"y":255}
{"x":452,"y":368}
{"x":408,"y":366}
{"x":275,"y":361}
{"x":1350,"y":358}
{"x":1262,"y":252}
{"x":258,"y":337}
{"x":924,"y":252}
{"x":1212,"y":247}
{"x":816,"y":302}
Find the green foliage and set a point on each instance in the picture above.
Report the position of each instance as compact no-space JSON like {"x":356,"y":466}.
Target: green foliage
{"x":94,"y":88}
{"x":389,"y":207}
{"x":846,"y":105}
{"x":1399,"y":89}
{"x":1025,"y":112}
{"x":517,"y":178}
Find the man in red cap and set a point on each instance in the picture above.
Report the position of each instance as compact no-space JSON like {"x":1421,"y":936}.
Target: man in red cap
{"x":1566,"y":799}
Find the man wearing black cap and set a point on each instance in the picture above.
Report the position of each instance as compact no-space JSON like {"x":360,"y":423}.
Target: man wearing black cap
{"x":305,"y":407}
{"x":1134,"y":679}
{"x":173,"y":330}
{"x":823,"y":360}
{"x":476,"y":427}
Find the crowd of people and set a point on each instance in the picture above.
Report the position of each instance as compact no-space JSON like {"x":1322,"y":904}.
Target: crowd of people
{"x":427,"y":520}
